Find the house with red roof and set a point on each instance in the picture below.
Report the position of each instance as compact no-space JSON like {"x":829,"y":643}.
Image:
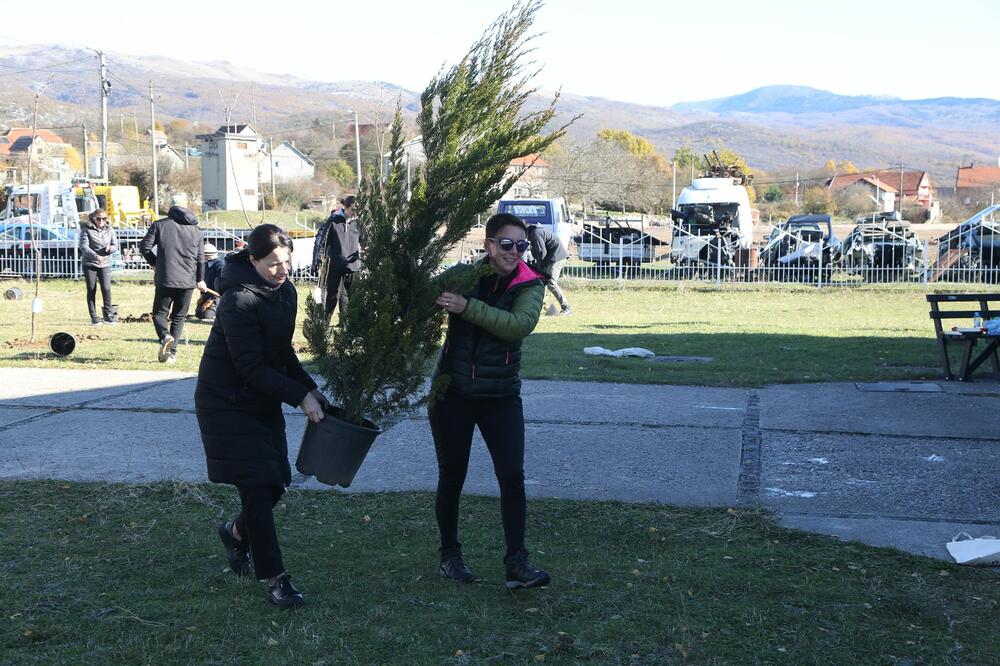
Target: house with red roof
{"x":916,"y":185}
{"x":978,"y":185}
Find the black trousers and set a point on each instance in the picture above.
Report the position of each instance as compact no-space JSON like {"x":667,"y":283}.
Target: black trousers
{"x":92,"y":276}
{"x":337,"y":286}
{"x":501,"y":422}
{"x":173,"y":304}
{"x":256,"y":524}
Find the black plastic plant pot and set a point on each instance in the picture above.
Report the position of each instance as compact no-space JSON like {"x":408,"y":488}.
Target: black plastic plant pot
{"x":333,"y":449}
{"x":62,"y":344}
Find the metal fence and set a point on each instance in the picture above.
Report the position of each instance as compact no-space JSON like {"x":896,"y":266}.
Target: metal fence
{"x":870,"y":254}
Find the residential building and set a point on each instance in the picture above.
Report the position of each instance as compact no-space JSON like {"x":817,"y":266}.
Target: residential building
{"x":229,"y":168}
{"x":287,"y":163}
{"x":978,"y":186}
{"x":916,"y":185}
{"x":882,"y":193}
{"x":533,"y":181}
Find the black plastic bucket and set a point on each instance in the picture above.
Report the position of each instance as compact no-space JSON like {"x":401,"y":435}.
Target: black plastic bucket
{"x":62,"y":344}
{"x":13,"y":294}
{"x":333,"y":449}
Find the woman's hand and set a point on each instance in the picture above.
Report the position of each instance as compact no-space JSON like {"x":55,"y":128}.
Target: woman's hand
{"x":451,"y":302}
{"x":320,"y":398}
{"x":311,"y":408}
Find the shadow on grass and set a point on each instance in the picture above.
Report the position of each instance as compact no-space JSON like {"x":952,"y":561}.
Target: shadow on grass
{"x":738,"y":359}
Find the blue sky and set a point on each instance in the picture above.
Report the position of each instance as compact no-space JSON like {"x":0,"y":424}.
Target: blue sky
{"x":632,"y":50}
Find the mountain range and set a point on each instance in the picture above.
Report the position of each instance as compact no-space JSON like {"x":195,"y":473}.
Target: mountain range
{"x":776,"y":128}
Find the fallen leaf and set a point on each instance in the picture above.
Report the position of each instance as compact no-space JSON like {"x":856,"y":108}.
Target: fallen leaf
{"x":530,"y":610}
{"x":629,"y":585}
{"x":27,"y":633}
{"x":652,"y":530}
{"x":539,"y":657}
{"x":272,"y":642}
{"x":459,"y":653}
{"x":636,"y":572}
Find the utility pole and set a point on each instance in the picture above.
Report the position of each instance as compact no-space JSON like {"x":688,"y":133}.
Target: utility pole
{"x":901,"y":188}
{"x":105,"y":93}
{"x":357,"y":148}
{"x":152,"y":141}
{"x":86,"y":154}
{"x":270,"y":150}
{"x":673,"y":198}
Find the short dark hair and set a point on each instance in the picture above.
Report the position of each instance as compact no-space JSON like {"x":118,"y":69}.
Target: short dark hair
{"x":348,"y":201}
{"x":501,"y":220}
{"x":263,"y":240}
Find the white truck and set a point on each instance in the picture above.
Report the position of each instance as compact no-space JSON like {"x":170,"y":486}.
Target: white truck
{"x":713,"y":221}
{"x":53,"y":204}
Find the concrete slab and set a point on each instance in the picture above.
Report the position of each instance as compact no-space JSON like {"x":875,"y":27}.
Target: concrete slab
{"x":671,"y":465}
{"x":869,"y":476}
{"x":915,"y":536}
{"x":843,"y":408}
{"x":633,"y":404}
{"x":9,"y":415}
{"x":898,"y":387}
{"x":92,"y":445}
{"x":53,"y":387}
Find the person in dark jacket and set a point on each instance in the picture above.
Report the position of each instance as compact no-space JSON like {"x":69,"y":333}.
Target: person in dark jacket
{"x":481,"y":358}
{"x":547,"y":257}
{"x":247,"y":371}
{"x":208,"y":303}
{"x":98,"y":242}
{"x":178,"y":269}
{"x":340,"y":243}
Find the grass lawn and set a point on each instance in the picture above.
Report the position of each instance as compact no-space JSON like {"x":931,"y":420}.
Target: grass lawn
{"x":98,"y":574}
{"x":756,"y":335}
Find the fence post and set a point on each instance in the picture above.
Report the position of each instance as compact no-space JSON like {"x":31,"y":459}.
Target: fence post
{"x":621,"y":256}
{"x":76,"y":259}
{"x":819,"y":278}
{"x":718,"y":260}
{"x":926,"y":262}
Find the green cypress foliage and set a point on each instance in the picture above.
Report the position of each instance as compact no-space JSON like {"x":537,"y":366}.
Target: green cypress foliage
{"x":472,"y":125}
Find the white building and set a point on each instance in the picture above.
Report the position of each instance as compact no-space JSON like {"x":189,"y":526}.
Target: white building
{"x":287,"y":163}
{"x":229,"y":168}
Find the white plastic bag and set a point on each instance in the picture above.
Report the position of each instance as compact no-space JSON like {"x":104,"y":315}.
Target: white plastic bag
{"x":981,"y":551}
{"x":627,"y":351}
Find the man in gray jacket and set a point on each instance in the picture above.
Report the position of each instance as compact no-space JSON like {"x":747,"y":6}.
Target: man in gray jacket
{"x":547,"y":257}
{"x":179,"y":264}
{"x":97,"y":243}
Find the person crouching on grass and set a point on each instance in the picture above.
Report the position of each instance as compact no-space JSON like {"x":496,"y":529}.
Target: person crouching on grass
{"x":247,"y":370}
{"x":482,"y":357}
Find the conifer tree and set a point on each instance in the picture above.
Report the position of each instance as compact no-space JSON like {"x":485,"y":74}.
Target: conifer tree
{"x":472,"y":123}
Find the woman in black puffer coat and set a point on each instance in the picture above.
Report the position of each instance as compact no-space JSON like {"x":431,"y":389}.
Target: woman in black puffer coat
{"x":248,"y":369}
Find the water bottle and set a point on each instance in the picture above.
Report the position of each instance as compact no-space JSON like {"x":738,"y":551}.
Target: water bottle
{"x":977,"y":320}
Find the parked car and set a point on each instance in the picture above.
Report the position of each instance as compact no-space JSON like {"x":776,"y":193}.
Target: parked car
{"x":971,"y":251}
{"x":882,"y":247}
{"x":804,"y":243}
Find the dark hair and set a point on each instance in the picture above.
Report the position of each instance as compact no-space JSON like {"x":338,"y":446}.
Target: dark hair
{"x":348,"y":201}
{"x":94,"y":214}
{"x":501,"y":220}
{"x":263,"y":240}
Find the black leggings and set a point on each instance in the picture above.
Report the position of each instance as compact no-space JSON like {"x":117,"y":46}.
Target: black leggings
{"x":256,"y":524}
{"x":501,"y":422}
{"x":92,"y":276}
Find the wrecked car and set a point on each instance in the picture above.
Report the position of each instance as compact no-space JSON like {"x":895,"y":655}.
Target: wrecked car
{"x":804,"y":243}
{"x":882,"y":247}
{"x":970,"y":251}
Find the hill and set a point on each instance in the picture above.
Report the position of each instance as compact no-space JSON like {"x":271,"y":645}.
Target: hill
{"x":775,"y":127}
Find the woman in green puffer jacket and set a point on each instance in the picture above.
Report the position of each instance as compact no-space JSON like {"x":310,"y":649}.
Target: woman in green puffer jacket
{"x":482,"y":357}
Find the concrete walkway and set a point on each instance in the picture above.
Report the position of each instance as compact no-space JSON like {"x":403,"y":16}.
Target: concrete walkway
{"x":903,"y":468}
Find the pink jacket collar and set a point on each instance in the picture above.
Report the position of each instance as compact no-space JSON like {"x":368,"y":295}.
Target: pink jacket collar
{"x":524,"y":273}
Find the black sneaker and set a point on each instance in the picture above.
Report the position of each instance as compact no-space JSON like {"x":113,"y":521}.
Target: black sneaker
{"x":453,"y":567}
{"x":521,"y":574}
{"x":96,"y":322}
{"x":166,"y":347}
{"x":284,"y":594}
{"x":237,"y":551}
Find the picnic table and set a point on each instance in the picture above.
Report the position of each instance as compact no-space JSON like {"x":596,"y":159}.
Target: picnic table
{"x":965,"y":338}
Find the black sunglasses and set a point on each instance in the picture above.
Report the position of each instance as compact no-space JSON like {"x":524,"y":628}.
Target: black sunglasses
{"x":507,"y":244}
